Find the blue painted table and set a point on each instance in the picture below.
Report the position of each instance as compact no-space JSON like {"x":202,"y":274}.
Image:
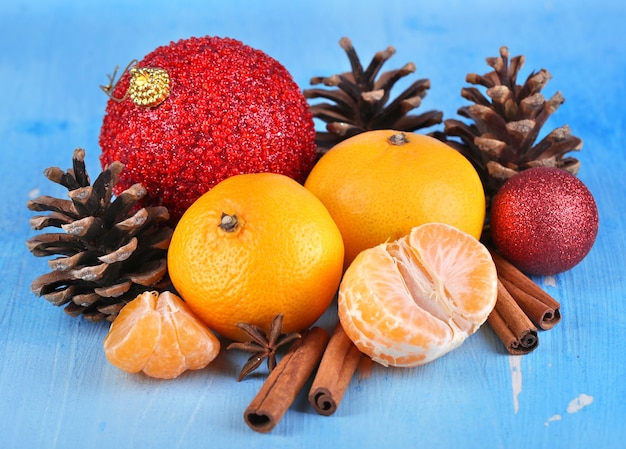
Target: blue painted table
{"x":58,"y":391}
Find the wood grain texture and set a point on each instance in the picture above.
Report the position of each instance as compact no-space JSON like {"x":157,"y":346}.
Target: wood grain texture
{"x":58,"y":391}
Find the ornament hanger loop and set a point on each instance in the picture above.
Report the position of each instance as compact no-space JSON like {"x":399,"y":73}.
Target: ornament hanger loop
{"x":110,"y":87}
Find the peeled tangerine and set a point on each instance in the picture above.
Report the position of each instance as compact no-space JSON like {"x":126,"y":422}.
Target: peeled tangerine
{"x":159,"y":335}
{"x":408,"y":302}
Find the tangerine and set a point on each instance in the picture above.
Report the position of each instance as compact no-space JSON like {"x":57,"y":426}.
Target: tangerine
{"x":254,"y":246}
{"x":379,"y":184}
{"x":408,"y":302}
{"x":159,"y":335}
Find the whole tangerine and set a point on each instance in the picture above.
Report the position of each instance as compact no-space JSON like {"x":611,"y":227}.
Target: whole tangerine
{"x":378,"y":185}
{"x":254,"y":246}
{"x":544,"y":220}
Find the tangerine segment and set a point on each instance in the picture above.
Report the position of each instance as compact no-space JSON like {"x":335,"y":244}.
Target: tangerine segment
{"x":159,"y":335}
{"x":133,"y":335}
{"x":408,"y":302}
{"x":196,"y":342}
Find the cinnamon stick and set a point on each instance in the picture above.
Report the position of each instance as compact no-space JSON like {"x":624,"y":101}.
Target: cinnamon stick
{"x":541,"y":308}
{"x":283,"y":384}
{"x":511,"y":324}
{"x":335,"y":372}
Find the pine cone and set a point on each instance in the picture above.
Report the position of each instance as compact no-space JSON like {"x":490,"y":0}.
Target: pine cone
{"x":500,"y":141}
{"x":360,"y":100}
{"x":108,"y":253}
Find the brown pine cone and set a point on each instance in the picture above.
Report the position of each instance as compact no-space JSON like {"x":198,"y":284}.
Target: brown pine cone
{"x":110,"y":250}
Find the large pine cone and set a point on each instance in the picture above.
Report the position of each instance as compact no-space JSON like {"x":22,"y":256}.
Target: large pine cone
{"x":501,"y":138}
{"x":359,"y":100}
{"x":110,"y":251}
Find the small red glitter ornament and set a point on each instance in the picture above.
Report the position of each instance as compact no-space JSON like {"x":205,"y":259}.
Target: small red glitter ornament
{"x":544,"y":220}
{"x":220,"y":108}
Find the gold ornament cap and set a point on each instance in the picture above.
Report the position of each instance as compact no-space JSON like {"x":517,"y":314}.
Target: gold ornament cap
{"x":148,"y":88}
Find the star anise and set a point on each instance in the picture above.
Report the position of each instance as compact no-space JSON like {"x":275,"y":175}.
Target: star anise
{"x":261,"y":346}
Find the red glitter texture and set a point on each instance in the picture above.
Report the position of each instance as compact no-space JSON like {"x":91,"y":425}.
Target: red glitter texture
{"x":544,"y":220}
{"x":232,"y":109}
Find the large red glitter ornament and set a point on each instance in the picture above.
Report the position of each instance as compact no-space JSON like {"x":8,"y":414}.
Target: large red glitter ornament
{"x":544,"y":220}
{"x":215,"y":108}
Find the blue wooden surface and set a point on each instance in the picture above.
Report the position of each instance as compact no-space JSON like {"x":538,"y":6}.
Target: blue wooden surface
{"x":58,"y":391}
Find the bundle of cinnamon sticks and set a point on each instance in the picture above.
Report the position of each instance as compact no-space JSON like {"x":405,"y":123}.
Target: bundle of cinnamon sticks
{"x":520,"y":307}
{"x":339,"y":360}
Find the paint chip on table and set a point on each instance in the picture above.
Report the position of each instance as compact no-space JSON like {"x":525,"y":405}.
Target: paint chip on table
{"x":553,"y":418}
{"x":515,"y":365}
{"x":575,"y":405}
{"x":549,"y":281}
{"x":582,"y":401}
